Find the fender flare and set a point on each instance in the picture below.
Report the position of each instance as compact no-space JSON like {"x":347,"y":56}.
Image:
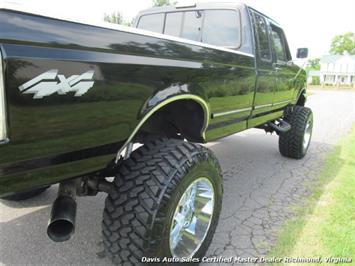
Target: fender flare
{"x":303,"y":93}
{"x":162,"y":104}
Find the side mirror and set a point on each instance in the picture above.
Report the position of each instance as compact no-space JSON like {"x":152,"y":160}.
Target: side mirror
{"x":302,"y":52}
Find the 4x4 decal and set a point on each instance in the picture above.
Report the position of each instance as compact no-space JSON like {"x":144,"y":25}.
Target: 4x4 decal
{"x":50,"y":82}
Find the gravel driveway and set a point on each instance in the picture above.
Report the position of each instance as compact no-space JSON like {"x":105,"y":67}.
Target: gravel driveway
{"x":260,"y":186}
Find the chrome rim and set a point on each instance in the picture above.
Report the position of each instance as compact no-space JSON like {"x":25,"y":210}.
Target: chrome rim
{"x":192,"y":218}
{"x":307,"y":134}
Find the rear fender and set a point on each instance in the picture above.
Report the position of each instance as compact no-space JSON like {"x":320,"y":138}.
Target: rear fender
{"x":157,"y":102}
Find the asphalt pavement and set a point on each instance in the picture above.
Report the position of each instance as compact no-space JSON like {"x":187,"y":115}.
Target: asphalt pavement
{"x":260,"y":189}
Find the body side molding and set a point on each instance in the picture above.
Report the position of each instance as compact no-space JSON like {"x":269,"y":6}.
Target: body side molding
{"x":3,"y":113}
{"x":192,"y":97}
{"x":236,"y":111}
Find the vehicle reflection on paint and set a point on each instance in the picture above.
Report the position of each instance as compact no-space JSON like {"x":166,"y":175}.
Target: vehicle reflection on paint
{"x":132,"y":73}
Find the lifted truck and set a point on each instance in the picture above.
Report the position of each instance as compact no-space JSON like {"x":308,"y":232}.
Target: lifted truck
{"x":75,"y":98}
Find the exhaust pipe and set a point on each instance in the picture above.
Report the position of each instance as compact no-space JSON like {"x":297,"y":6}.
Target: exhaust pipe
{"x":61,"y":225}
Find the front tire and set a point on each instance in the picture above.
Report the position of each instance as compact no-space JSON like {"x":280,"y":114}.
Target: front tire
{"x":295,"y":142}
{"x":165,"y":202}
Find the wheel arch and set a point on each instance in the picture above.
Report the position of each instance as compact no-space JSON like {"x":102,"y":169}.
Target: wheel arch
{"x":177,"y":107}
{"x":302,"y":98}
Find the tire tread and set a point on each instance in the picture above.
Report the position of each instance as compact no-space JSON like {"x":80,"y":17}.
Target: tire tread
{"x":143,"y":185}
{"x":290,"y":143}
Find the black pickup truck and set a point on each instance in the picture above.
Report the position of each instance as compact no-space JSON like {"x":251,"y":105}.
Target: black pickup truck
{"x":82,"y":103}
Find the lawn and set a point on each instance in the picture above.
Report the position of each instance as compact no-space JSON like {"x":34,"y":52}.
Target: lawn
{"x":328,"y":87}
{"x":325,"y":226}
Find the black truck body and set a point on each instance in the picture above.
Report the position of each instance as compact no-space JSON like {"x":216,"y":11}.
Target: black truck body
{"x":75,"y":95}
{"x":76,"y":98}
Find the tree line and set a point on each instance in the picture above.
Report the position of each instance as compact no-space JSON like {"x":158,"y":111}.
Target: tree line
{"x":117,"y":18}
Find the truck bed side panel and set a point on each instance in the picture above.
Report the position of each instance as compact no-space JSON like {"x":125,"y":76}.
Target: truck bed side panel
{"x":61,"y":135}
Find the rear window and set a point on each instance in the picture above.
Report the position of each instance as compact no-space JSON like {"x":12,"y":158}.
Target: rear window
{"x":216,"y":27}
{"x":192,"y":26}
{"x":222,"y":28}
{"x":173,"y":24}
{"x":154,"y":22}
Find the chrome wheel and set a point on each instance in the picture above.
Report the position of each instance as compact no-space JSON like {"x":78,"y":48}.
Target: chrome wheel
{"x":307,"y":133}
{"x":192,"y":218}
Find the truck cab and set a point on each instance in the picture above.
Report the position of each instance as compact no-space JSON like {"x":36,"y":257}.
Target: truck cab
{"x":273,"y":82}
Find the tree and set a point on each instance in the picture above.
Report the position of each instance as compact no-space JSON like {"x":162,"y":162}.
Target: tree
{"x":313,"y":64}
{"x":114,"y":17}
{"x":163,"y":2}
{"x":343,"y":43}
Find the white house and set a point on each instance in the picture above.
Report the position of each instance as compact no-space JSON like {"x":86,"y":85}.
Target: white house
{"x":337,"y":70}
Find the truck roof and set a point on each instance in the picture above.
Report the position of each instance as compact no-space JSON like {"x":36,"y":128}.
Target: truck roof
{"x":197,"y":6}
{"x":209,"y":5}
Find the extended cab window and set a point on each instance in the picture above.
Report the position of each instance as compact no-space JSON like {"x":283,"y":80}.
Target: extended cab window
{"x":154,"y":22}
{"x":222,"y":28}
{"x":262,"y":37}
{"x":173,"y":23}
{"x":192,"y":26}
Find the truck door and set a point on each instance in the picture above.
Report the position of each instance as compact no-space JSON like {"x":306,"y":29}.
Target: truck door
{"x":285,"y":70}
{"x":265,"y":83}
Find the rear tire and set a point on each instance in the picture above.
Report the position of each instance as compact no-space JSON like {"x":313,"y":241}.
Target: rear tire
{"x":295,"y":142}
{"x":25,"y":195}
{"x":149,"y":192}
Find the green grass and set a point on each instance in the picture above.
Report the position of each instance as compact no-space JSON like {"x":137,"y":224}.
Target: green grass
{"x":329,"y":87}
{"x":325,"y":225}
{"x":227,"y":103}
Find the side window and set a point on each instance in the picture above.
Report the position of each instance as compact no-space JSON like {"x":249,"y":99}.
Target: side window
{"x":279,"y":45}
{"x":173,"y":24}
{"x":222,"y":28}
{"x":262,"y":37}
{"x":192,"y":26}
{"x":154,"y":22}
